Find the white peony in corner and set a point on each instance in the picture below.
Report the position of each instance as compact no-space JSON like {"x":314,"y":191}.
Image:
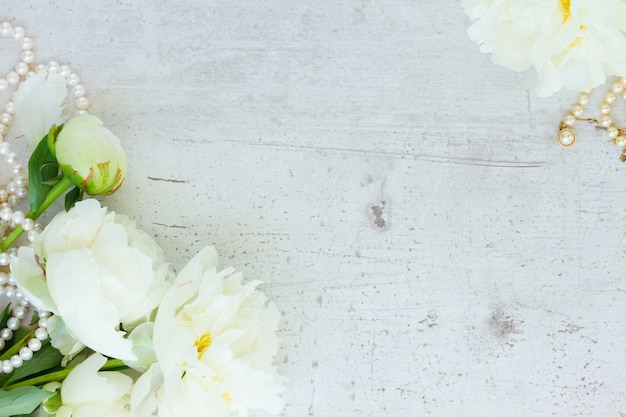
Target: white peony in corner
{"x":574,"y":44}
{"x":86,"y":392}
{"x":94,"y":270}
{"x":214,"y":341}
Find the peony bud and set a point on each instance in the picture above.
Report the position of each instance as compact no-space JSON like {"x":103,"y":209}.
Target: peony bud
{"x":90,"y":155}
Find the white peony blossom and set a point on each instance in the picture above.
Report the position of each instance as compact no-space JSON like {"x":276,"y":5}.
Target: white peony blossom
{"x":39,"y":104}
{"x":214,"y":341}
{"x":574,"y":44}
{"x":94,"y":270}
{"x":89,"y":393}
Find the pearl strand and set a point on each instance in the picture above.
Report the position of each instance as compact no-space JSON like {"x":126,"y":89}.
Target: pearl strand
{"x":617,"y":135}
{"x":17,"y":188}
{"x":566,"y":136}
{"x":34,"y":344}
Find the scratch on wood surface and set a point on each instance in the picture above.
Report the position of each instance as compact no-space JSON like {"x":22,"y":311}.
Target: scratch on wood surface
{"x":168,"y":180}
{"x":173,"y":226}
{"x":411,"y":156}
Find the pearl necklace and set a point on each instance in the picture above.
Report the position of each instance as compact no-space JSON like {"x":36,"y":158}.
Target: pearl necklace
{"x":567,"y":137}
{"x":17,"y":189}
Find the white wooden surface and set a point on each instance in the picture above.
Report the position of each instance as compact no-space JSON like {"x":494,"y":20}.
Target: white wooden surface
{"x":433,"y":250}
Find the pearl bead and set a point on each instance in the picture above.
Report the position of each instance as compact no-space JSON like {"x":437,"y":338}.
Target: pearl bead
{"x":606,"y":121}
{"x":43,"y":322}
{"x":79,"y":90}
{"x":26,"y":353}
{"x":605,"y":108}
{"x":81,"y":112}
{"x":13,"y":323}
{"x":9,"y":107}
{"x":18,"y":32}
{"x":26,"y":43}
{"x":7,"y":366}
{"x":34,"y":344}
{"x":566,"y":137}
{"x":6,"y":29}
{"x":21,"y":68}
{"x":53,"y":66}
{"x":583,"y":99}
{"x":6,"y":214}
{"x":82,"y":103}
{"x":6,"y":333}
{"x":9,"y":292}
{"x":13,"y":78}
{"x":609,"y":98}
{"x":19,"y":312}
{"x":3,"y":130}
{"x":44,"y":313}
{"x":578,"y":110}
{"x":28,"y":56}
{"x":617,"y":88}
{"x":73,"y":80}
{"x":2,"y":344}
{"x":4,"y":261}
{"x":612,"y":131}
{"x":65,"y":71}
{"x":4,"y":84}
{"x":40,"y":68}
{"x":569,"y":119}
{"x":16,"y":361}
{"x":28,"y":224}
{"x":41,"y":334}
{"x":5,"y":148}
{"x":620,"y":141}
{"x":18,"y":217}
{"x":32,"y":236}
{"x":13,"y":200}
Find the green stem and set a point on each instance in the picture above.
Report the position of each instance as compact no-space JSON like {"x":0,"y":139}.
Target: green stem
{"x":61,"y":375}
{"x":57,"y":191}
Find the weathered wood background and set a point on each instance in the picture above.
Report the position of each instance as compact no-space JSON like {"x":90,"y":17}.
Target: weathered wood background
{"x":433,"y":250}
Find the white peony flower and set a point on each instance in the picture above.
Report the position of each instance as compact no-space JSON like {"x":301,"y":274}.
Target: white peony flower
{"x":574,"y":44}
{"x":94,"y":270}
{"x":90,"y":155}
{"x":214,"y":341}
{"x":89,"y":393}
{"x":39,"y":104}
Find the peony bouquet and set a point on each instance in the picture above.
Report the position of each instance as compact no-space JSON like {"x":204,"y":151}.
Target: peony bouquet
{"x":574,"y":44}
{"x":97,"y":322}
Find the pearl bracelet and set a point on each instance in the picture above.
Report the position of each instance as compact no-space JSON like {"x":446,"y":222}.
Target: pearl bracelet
{"x":567,"y":137}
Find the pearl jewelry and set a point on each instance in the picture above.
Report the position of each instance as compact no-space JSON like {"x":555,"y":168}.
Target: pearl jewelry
{"x":14,"y":322}
{"x":16,"y":190}
{"x":567,"y":137}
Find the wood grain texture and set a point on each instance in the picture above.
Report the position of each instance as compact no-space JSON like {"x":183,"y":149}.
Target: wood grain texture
{"x":432,"y":249}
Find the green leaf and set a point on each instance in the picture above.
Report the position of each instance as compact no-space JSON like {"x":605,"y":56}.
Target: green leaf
{"x":35,"y":318}
{"x":4,"y":316}
{"x":42,"y":168}
{"x":44,"y":360}
{"x":74,"y":195}
{"x":23,"y":400}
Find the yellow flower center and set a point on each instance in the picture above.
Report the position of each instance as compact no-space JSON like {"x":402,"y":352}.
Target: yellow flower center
{"x":203,"y":344}
{"x":566,"y":10}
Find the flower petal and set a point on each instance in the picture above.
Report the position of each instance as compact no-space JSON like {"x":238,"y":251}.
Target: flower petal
{"x":38,"y":104}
